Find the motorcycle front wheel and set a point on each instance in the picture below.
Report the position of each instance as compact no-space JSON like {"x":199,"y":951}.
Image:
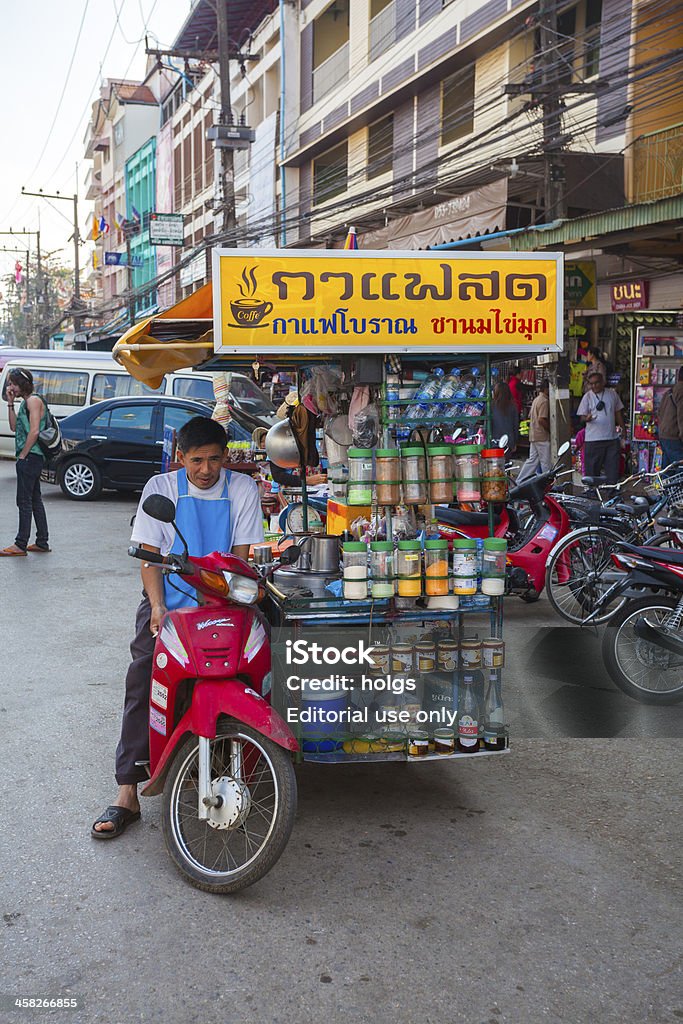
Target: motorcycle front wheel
{"x":643,"y":670}
{"x":245,"y":836}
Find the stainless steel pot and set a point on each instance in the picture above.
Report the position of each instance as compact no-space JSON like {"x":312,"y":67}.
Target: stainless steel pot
{"x":324,"y":553}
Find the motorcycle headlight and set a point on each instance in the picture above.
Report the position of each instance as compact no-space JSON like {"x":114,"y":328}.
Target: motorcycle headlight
{"x":241,"y":589}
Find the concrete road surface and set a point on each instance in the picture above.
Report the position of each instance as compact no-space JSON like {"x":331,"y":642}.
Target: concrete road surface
{"x":540,"y":886}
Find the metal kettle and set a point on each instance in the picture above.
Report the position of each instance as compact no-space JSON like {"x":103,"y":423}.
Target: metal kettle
{"x":319,"y":553}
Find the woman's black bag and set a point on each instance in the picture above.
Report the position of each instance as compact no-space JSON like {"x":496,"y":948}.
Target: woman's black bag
{"x":50,"y":437}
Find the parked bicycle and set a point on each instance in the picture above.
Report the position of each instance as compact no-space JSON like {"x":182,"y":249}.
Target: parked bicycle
{"x":580,"y":567}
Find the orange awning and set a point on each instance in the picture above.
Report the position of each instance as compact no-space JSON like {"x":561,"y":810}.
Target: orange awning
{"x":178,"y":338}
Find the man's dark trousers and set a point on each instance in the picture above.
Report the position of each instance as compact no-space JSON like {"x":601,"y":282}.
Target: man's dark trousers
{"x":602,"y":458}
{"x":134,"y":743}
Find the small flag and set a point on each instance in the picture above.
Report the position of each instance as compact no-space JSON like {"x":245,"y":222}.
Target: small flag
{"x":18,"y":276}
{"x":351,"y":240}
{"x":104,"y":227}
{"x":136,"y":216}
{"x":95,"y":228}
{"x":95,"y":260}
{"x":119,"y":221}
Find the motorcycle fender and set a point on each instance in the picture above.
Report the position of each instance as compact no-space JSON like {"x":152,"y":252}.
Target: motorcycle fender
{"x":211,"y":699}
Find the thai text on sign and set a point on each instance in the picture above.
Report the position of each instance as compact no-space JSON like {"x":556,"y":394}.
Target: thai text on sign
{"x":345,"y":301}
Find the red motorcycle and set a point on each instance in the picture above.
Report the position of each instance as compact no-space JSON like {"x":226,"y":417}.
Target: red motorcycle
{"x":530,"y":540}
{"x":219,"y":754}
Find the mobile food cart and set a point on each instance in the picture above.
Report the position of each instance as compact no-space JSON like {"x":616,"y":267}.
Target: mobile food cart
{"x":386,"y":640}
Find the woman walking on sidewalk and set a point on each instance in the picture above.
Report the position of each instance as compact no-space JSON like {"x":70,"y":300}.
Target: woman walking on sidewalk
{"x":27,"y":422}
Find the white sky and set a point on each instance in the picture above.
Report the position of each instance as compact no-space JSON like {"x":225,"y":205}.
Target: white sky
{"x":38,"y":41}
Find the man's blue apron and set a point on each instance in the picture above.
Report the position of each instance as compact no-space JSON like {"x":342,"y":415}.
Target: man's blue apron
{"x":206,"y":526}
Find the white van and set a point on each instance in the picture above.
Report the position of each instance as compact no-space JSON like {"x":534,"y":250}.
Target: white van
{"x":70,"y":380}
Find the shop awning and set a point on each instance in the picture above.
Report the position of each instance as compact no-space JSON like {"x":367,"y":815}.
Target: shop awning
{"x":177,"y":339}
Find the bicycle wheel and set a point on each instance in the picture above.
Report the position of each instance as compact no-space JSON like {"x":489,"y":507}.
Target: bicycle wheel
{"x":575,"y":571}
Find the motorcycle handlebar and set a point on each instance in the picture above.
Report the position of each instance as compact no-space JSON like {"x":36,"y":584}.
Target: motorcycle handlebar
{"x":147,"y":556}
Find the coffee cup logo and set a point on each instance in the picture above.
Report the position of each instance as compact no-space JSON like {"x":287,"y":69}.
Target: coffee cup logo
{"x":249,"y":310}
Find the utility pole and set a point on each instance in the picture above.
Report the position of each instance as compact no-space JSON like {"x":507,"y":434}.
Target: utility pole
{"x":546,"y":85}
{"x":128,"y":230}
{"x":77,"y":305}
{"x":226,"y":181}
{"x":554,"y":168}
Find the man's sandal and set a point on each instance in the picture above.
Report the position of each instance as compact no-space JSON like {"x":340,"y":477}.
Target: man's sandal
{"x":120,"y":817}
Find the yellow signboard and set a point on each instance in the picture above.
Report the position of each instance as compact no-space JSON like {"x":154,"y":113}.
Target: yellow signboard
{"x":315,"y":301}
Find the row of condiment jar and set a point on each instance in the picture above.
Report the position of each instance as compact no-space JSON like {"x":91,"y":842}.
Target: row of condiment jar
{"x":442,"y":655}
{"x":380,"y":571}
{"x":418,"y":475}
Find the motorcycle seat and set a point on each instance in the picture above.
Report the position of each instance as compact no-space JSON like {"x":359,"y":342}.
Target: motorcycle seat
{"x":595,"y":481}
{"x":658,"y":554}
{"x":457,"y":517}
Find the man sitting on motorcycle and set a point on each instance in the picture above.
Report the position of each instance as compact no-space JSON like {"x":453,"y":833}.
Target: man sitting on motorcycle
{"x":216,"y":510}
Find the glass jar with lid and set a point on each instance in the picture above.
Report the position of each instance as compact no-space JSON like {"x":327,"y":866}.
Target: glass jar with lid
{"x":355,"y":570}
{"x":464,"y":566}
{"x":409,"y":568}
{"x":493,"y":570}
{"x":388,"y":476}
{"x":414,"y":473}
{"x":436,"y":568}
{"x":467,"y":486}
{"x":359,"y":487}
{"x":440,"y":458}
{"x":382,"y":568}
{"x":494,"y":482}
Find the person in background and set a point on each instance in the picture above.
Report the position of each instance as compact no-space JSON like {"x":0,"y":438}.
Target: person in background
{"x":670,"y":423}
{"x":595,"y":365}
{"x":515,"y":385}
{"x":539,"y":435}
{"x":27,"y":421}
{"x":505,"y":416}
{"x":602,"y":411}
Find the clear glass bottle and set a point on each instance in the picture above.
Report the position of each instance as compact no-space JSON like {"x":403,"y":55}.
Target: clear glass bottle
{"x":468,"y":714}
{"x":464,"y":566}
{"x":494,"y":482}
{"x":355,"y":570}
{"x":388,"y":476}
{"x":467,"y":487}
{"x":494,"y":715}
{"x":440,"y":458}
{"x":382,"y":568}
{"x":436,"y":568}
{"x":493,"y":568}
{"x":409,"y":568}
{"x":414,"y":474}
{"x":359,"y":488}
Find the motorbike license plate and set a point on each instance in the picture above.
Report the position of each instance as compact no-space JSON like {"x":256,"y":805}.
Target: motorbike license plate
{"x":548,"y":532}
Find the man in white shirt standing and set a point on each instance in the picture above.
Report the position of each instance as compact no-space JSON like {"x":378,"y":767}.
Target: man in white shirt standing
{"x":602,"y":412}
{"x":215,"y":511}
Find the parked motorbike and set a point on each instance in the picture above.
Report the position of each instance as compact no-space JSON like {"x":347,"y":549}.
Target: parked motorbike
{"x":643,"y":644}
{"x":529,"y":541}
{"x":219,"y":754}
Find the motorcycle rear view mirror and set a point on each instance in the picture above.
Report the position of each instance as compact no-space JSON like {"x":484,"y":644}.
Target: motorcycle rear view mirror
{"x":456,"y":433}
{"x":563,"y":449}
{"x":159,"y":507}
{"x":290,"y":555}
{"x":503,"y":441}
